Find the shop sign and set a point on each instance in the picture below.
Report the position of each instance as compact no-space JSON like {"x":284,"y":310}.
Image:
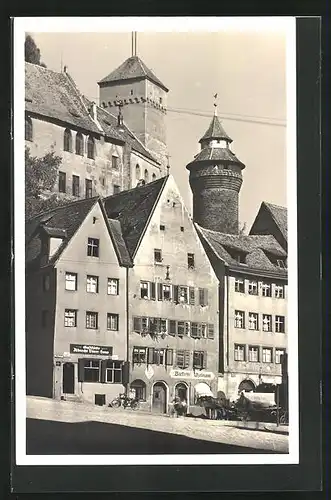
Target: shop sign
{"x":95,"y":350}
{"x":149,"y":372}
{"x":191,"y":374}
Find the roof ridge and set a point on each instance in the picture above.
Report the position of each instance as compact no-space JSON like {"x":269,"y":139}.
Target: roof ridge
{"x":80,"y":97}
{"x":65,"y":205}
{"x":267,"y":203}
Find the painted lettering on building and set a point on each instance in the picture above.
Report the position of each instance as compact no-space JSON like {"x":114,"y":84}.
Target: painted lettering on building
{"x":95,"y":350}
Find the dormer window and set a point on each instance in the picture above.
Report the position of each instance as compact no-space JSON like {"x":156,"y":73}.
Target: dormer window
{"x":281,"y":263}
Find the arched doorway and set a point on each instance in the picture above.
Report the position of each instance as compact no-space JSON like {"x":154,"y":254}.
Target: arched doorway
{"x":246,"y":385}
{"x":159,"y":402}
{"x":68,"y":381}
{"x":139,"y":387}
{"x":181,"y":392}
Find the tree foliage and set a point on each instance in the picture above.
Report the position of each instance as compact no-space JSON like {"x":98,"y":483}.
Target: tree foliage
{"x":40,"y":177}
{"x":32,"y":52}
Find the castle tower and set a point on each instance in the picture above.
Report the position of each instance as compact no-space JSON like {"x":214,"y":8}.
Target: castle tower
{"x":215,"y":180}
{"x":144,"y":99}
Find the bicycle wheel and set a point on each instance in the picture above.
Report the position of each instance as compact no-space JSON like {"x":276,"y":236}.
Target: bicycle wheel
{"x":115,"y":403}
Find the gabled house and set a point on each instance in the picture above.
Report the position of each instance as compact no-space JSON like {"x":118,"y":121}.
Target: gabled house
{"x":271,"y":219}
{"x":76,"y":310}
{"x":173,"y":297}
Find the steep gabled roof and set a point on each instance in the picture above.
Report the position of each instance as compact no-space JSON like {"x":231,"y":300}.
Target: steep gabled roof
{"x":64,"y":222}
{"x":133,"y":209}
{"x":54,"y":95}
{"x":215,"y":131}
{"x":256,"y":249}
{"x":279,"y":214}
{"x":132,"y":68}
{"x":268,"y":217}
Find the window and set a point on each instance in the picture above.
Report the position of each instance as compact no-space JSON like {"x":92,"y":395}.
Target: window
{"x":203,"y":296}
{"x":79,"y":144}
{"x":112,"y":322}
{"x":144,"y":290}
{"x":162,"y":227}
{"x":113,"y":372}
{"x":182,"y":228}
{"x":279,"y":291}
{"x":140,"y":389}
{"x":93,"y":247}
{"x":91,"y":320}
{"x":67,"y":140}
{"x":28,"y":129}
{"x":131,"y":92}
{"x":239,"y":352}
{"x":139,"y":355}
{"x":278,"y":354}
{"x":114,"y":162}
{"x":157,"y":255}
{"x":267,"y":322}
{"x":90,"y":148}
{"x":92,"y":370}
{"x":163,"y":324}
{"x":112,"y":286}
{"x":183,"y":294}
{"x":199,"y":360}
{"x":138,"y":173}
{"x":180,"y":328}
{"x":92,"y":284}
{"x":281,"y":263}
{"x":191,"y":295}
{"x":266,"y":355}
{"x":146,"y":176}
{"x":239,"y":319}
{"x":253,"y":321}
{"x":70,"y":317}
{"x":252,"y":288}
{"x":166,"y":292}
{"x":88,"y":188}
{"x":44,"y":318}
{"x":266,"y":289}
{"x":116,"y":189}
{"x":159,"y":356}
{"x":153,"y":177}
{"x":280,"y":324}
{"x":182,"y":359}
{"x":46,"y":282}
{"x":71,"y":281}
{"x":190,"y":260}
{"x":62,"y":182}
{"x":195,"y":330}
{"x":211,"y":334}
{"x":253,"y":354}
{"x":203,"y":330}
{"x":239,"y":285}
{"x":75,"y":185}
{"x":160,"y":100}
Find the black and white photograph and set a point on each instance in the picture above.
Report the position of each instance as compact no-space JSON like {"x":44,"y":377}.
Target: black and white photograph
{"x":155,"y":184}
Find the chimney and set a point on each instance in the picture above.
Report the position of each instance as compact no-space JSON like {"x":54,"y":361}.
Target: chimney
{"x":65,"y":69}
{"x":93,"y":111}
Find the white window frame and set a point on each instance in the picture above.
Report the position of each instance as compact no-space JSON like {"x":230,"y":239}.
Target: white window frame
{"x":92,"y":284}
{"x":238,"y":282}
{"x":166,"y":287}
{"x":266,"y":289}
{"x":266,"y":355}
{"x":279,"y":291}
{"x":117,"y":367}
{"x":239,"y":319}
{"x":70,"y":316}
{"x":183,"y":292}
{"x":91,"y":314}
{"x":253,"y":288}
{"x":112,"y":284}
{"x":239,"y":352}
{"x":141,"y":351}
{"x":278,"y":354}
{"x":267,"y":322}
{"x":93,"y":244}
{"x":253,"y":350}
{"x":278,"y":323}
{"x":112,"y":320}
{"x":253,"y":321}
{"x":70,"y":278}
{"x":158,"y":251}
{"x":143,"y":287}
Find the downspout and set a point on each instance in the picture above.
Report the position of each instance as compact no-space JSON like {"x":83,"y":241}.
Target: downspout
{"x":227,"y":321}
{"x":127,"y":331}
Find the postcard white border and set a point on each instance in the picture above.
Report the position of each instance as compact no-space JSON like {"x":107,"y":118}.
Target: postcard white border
{"x":164,"y":24}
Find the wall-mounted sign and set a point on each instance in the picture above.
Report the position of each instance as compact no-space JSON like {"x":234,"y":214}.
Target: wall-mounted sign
{"x":95,"y":350}
{"x":191,"y":374}
{"x":149,"y":372}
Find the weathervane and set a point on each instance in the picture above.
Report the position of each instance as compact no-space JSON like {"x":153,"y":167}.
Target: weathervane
{"x":215,"y":104}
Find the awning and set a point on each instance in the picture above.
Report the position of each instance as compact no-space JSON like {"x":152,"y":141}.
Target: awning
{"x":203,"y":389}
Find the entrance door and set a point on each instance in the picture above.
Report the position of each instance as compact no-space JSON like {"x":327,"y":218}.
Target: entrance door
{"x":159,"y":398}
{"x":68,"y":384}
{"x":181,"y":392}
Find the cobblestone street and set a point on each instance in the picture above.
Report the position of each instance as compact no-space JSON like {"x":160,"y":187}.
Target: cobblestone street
{"x":196,"y":431}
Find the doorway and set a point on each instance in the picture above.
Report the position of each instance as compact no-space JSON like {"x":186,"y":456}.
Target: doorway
{"x":68,"y":383}
{"x":159,"y":398}
{"x":181,"y":392}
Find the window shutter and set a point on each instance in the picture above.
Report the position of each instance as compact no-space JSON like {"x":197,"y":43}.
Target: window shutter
{"x":199,"y":334}
{"x":160,"y":291}
{"x":204,"y":360}
{"x":137,"y":324}
{"x":153,"y":291}
{"x":172,"y":327}
{"x":186,"y":359}
{"x":103,"y":370}
{"x":125,"y":373}
{"x":176,"y":293}
{"x":169,"y":357}
{"x":150,"y":355}
{"x":192,"y":296}
{"x":205,"y":296}
{"x":201,"y":296}
{"x":81,"y":363}
{"x":187,"y":328}
{"x":210,"y":333}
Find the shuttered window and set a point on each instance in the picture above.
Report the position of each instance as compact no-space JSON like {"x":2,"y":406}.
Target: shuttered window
{"x":203,"y":296}
{"x":150,"y":355}
{"x":160,"y":291}
{"x":211,"y":334}
{"x":175,"y":293}
{"x":182,"y":359}
{"x":169,"y":357}
{"x":199,"y":360}
{"x":181,"y":328}
{"x":194,"y":330}
{"x":172,"y":327}
{"x":152,"y":291}
{"x":191,"y":296}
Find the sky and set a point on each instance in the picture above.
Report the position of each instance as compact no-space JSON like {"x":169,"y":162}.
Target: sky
{"x":246,"y":68}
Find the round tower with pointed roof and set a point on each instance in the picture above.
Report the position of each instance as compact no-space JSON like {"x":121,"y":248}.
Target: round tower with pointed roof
{"x":215,"y":180}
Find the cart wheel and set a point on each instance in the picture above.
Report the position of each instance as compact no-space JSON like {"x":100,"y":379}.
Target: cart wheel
{"x":115,"y":403}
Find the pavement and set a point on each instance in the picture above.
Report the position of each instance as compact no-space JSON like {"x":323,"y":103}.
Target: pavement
{"x":51,"y":422}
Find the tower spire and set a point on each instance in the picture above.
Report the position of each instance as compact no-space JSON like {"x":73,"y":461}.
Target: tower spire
{"x":133,"y":43}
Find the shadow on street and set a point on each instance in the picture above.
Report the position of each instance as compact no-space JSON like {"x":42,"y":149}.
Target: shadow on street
{"x":47,"y":437}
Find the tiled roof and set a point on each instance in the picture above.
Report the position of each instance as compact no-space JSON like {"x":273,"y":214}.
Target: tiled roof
{"x":217,"y":154}
{"x":279,"y":214}
{"x":215,"y":131}
{"x":55,"y":95}
{"x":132,"y":68}
{"x":255,"y":247}
{"x":133,"y":209}
{"x":63,"y":220}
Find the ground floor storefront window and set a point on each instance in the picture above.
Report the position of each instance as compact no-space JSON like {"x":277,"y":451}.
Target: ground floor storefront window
{"x":100,"y":370}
